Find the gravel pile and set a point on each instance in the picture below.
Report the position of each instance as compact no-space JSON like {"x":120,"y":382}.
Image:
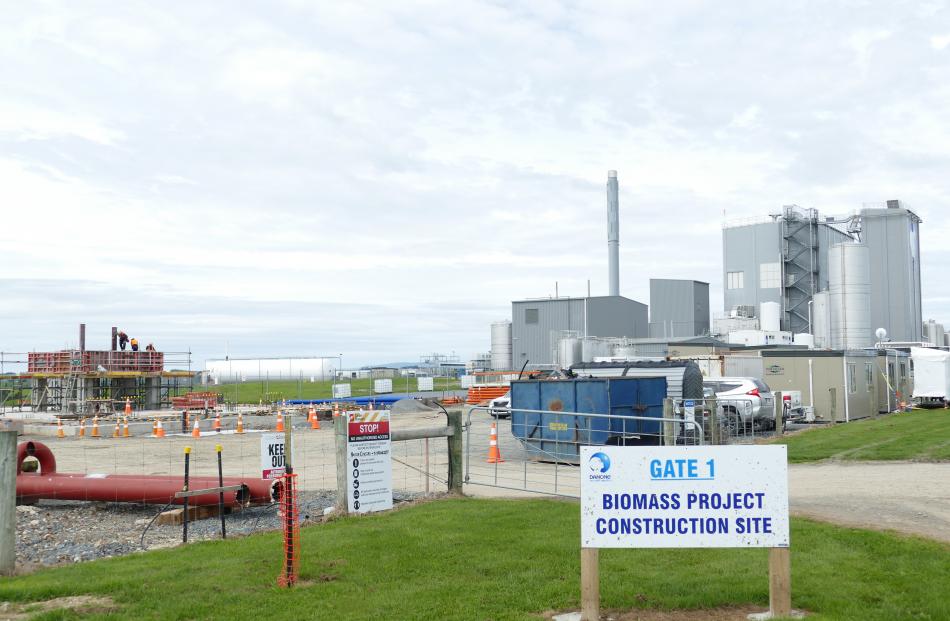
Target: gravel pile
{"x":62,"y":531}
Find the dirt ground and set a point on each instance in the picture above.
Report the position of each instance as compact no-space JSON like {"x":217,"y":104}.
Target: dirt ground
{"x":908,"y":497}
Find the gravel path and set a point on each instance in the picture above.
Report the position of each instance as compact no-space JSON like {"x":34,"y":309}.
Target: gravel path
{"x":53,"y":532}
{"x":908,"y":497}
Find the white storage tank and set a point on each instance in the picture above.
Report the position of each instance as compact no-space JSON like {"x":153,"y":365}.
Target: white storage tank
{"x":849,"y":296}
{"x":382,"y":386}
{"x":594,"y":348}
{"x":821,"y":320}
{"x":628,"y":352}
{"x":770,"y":316}
{"x":250,"y":369}
{"x":569,"y":352}
{"x":501,"y":346}
{"x":803,"y":338}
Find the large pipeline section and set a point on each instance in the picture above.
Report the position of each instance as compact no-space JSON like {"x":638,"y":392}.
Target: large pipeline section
{"x":137,"y":488}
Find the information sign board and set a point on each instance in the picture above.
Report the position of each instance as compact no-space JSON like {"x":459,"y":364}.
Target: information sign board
{"x":369,"y":473}
{"x":273,"y":464}
{"x":684,"y":497}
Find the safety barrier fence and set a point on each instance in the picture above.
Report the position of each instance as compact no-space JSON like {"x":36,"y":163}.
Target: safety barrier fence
{"x":538,"y":451}
{"x":421,"y":466}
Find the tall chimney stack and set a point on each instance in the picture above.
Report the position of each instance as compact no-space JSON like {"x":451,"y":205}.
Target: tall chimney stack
{"x":613,"y":231}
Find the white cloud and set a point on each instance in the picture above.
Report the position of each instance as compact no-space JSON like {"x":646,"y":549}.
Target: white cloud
{"x":940,"y":42}
{"x":306,"y":155}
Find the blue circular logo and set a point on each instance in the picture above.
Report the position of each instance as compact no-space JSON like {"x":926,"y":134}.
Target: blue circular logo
{"x":599,"y":462}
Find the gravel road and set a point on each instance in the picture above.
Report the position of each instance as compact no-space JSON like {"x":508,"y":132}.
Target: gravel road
{"x":908,"y":497}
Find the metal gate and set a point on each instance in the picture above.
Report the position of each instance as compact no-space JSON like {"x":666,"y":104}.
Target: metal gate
{"x":538,"y":451}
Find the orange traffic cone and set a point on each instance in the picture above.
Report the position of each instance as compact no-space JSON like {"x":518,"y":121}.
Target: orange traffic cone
{"x":82,"y":428}
{"x":216,"y":426}
{"x":240,"y":424}
{"x":128,"y":406}
{"x":95,"y":428}
{"x":336,"y":411}
{"x":154,"y":428}
{"x":280,"y":422}
{"x":494,"y":455}
{"x":315,"y":421}
{"x":125,"y":427}
{"x":60,"y":432}
{"x":160,"y":432}
{"x":310,"y":414}
{"x":117,"y":432}
{"x":196,"y":432}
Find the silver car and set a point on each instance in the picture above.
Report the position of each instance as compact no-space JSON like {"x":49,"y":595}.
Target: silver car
{"x":743,"y":401}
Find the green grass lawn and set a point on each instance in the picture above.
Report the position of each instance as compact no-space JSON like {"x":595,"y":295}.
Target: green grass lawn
{"x":275,"y":390}
{"x":496,"y":559}
{"x":919,"y":435}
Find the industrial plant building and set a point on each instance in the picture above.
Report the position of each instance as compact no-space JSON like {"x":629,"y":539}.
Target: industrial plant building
{"x":538,"y":325}
{"x":868,"y":264}
{"x":678,"y":308}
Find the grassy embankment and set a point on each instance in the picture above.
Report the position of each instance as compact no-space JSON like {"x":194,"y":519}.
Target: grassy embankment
{"x":917,"y":435}
{"x":496,"y":559}
{"x":275,"y":390}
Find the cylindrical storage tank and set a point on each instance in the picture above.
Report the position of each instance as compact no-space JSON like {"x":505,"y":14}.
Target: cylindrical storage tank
{"x":245,"y":369}
{"x":803,"y":338}
{"x":568,"y":352}
{"x":594,"y":348}
{"x":770,"y":316}
{"x":501,"y":346}
{"x":821,"y":320}
{"x":625,"y":351}
{"x":849,"y":296}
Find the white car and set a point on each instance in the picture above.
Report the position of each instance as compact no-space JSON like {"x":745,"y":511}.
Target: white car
{"x":744,"y":401}
{"x":499,"y":407}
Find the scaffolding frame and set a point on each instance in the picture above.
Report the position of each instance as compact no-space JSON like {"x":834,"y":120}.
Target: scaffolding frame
{"x":76,"y":383}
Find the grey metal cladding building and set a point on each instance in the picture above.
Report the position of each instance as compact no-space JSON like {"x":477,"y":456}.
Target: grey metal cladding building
{"x":533,"y":322}
{"x":783,"y":261}
{"x":892,"y":234}
{"x":678,"y":308}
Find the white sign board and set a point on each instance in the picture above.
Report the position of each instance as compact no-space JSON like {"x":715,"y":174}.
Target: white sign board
{"x":273,"y":465}
{"x":684,"y":497}
{"x":369,"y":473}
{"x":342,"y":391}
{"x":424,"y":383}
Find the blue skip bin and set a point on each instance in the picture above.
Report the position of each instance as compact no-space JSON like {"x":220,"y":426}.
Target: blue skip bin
{"x":558,"y":436}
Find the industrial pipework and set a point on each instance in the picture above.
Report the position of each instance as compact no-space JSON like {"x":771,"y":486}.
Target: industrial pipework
{"x":613,"y":231}
{"x":46,"y":483}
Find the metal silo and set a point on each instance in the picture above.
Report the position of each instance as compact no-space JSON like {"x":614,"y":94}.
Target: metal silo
{"x":849,"y":296}
{"x":501,"y":346}
{"x":821,"y":320}
{"x":569,"y":352}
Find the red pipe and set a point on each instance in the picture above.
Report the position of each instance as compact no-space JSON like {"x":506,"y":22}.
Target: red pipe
{"x":137,"y":488}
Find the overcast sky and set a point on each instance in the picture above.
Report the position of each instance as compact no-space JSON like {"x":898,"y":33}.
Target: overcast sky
{"x":381,"y":179}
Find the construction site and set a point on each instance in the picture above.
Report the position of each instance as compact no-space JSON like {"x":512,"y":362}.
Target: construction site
{"x":82,"y":382}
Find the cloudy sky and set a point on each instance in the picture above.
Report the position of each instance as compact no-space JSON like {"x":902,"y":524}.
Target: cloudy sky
{"x":380,"y":179}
